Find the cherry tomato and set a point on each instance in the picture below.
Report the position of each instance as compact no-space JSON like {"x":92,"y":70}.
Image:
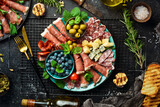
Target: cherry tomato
{"x":74,"y":77}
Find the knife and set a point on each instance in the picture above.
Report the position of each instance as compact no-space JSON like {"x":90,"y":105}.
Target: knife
{"x":25,"y":37}
{"x":88,"y":7}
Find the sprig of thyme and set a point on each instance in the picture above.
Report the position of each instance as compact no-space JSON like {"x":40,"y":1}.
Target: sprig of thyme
{"x":54,"y":3}
{"x":134,"y":44}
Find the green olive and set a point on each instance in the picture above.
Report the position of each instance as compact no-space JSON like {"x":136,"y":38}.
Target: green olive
{"x":82,"y":26}
{"x":69,"y":42}
{"x":68,"y":27}
{"x":70,"y":47}
{"x":80,"y":31}
{"x":77,"y":35}
{"x":72,"y":31}
{"x":76,"y":27}
{"x":74,"y":44}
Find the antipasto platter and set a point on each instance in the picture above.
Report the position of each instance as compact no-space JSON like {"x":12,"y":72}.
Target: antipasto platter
{"x":14,"y":12}
{"x":78,"y":52}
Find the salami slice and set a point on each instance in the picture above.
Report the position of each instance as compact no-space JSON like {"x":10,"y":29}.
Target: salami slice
{"x":106,"y":64}
{"x":106,"y":35}
{"x":96,"y":77}
{"x":96,"y":24}
{"x":111,"y":55}
{"x":102,"y":28}
{"x":70,"y":84}
{"x":78,"y":84}
{"x":104,"y":56}
{"x":95,"y":35}
{"x":110,"y":59}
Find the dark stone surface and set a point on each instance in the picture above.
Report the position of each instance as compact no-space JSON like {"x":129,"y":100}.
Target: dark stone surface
{"x":12,"y":56}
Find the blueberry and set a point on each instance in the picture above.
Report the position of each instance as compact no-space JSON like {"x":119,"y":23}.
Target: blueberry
{"x":55,"y":54}
{"x":62,"y":63}
{"x":67,"y":72}
{"x":51,"y":57}
{"x":49,"y":61}
{"x":61,"y":66}
{"x":49,"y":68}
{"x":54,"y":57}
{"x":70,"y":62}
{"x":69,"y":67}
{"x":47,"y":64}
{"x":59,"y":61}
{"x":66,"y":59}
{"x":65,"y":56}
{"x":66,"y":64}
{"x":52,"y":69}
{"x":62,"y":58}
{"x":55,"y":73}
{"x":64,"y":74}
{"x":61,"y":53}
{"x":64,"y":68}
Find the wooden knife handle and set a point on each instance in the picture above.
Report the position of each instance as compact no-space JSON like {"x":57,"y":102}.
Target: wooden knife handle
{"x":79,"y":2}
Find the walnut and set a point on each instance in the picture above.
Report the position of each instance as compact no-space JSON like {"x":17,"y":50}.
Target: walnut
{"x":38,"y":9}
{"x":121,"y":80}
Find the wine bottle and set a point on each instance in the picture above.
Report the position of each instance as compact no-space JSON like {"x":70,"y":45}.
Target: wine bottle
{"x":59,"y":101}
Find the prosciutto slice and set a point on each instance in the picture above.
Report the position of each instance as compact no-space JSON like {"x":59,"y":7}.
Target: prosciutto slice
{"x":106,"y":64}
{"x":50,"y":37}
{"x":84,"y":83}
{"x":1,"y":33}
{"x":60,"y":25}
{"x":88,"y":63}
{"x":11,"y":15}
{"x":16,"y":6}
{"x":5,"y":24}
{"x":79,"y":64}
{"x":104,"y":56}
{"x":56,"y":33}
{"x":101,"y":69}
{"x":96,"y":77}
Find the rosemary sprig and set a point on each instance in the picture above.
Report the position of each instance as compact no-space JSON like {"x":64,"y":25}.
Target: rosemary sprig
{"x":54,"y":3}
{"x":134,"y":44}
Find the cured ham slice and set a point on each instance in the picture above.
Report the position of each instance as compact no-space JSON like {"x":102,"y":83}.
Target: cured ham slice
{"x":104,"y":56}
{"x":84,"y":83}
{"x":56,"y":33}
{"x":60,"y":25}
{"x":79,"y":64}
{"x":106,"y":35}
{"x":96,"y":77}
{"x":101,"y":69}
{"x":16,"y":6}
{"x":50,"y":37}
{"x":88,"y":63}
{"x":106,"y":64}
{"x":5,"y":24}
{"x":11,"y":15}
{"x":1,"y":33}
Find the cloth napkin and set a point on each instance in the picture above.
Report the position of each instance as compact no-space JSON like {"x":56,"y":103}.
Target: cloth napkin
{"x":122,"y":101}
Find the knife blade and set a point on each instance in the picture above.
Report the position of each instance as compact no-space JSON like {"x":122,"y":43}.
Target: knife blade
{"x":88,"y":7}
{"x":25,"y":37}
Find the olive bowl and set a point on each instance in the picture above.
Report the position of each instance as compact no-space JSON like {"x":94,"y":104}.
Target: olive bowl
{"x":67,"y":31}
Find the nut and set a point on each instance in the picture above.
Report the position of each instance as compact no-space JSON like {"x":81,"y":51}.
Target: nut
{"x":38,"y":9}
{"x":121,"y":80}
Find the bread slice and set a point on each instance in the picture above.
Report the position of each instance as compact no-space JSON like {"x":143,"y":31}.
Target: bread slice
{"x":152,"y":102}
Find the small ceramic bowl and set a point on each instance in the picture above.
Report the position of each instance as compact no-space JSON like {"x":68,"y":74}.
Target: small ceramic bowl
{"x":82,"y":22}
{"x":53,"y":73}
{"x":5,"y":91}
{"x":141,"y":4}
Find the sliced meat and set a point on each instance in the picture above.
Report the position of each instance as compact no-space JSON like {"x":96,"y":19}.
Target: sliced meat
{"x":102,"y":28}
{"x":106,"y":64}
{"x":95,"y":35}
{"x":1,"y":34}
{"x":104,"y":56}
{"x":56,"y":33}
{"x":111,"y":55}
{"x":11,"y":15}
{"x":45,"y":46}
{"x":96,"y":24}
{"x":101,"y":69}
{"x":84,"y":83}
{"x":88,"y":63}
{"x":70,"y":84}
{"x":106,"y":35}
{"x":110,"y":67}
{"x":96,"y":77}
{"x":79,"y":64}
{"x":16,"y":6}
{"x":78,"y":84}
{"x":110,"y":59}
{"x":42,"y":57}
{"x":50,"y":37}
{"x":5,"y":24}
{"x":60,"y":25}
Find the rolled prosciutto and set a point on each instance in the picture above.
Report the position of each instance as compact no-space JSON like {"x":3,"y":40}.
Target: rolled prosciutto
{"x":11,"y":15}
{"x":84,"y":83}
{"x":1,"y":34}
{"x":56,"y":33}
{"x":101,"y":69}
{"x":88,"y":63}
{"x":60,"y":25}
{"x":16,"y":6}
{"x":5,"y":24}
{"x":79,"y":64}
{"x":50,"y":37}
{"x":96,"y":77}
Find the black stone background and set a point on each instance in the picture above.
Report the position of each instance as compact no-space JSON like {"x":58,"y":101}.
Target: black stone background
{"x":13,"y":58}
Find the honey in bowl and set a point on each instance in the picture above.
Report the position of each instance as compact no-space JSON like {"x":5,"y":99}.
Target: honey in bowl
{"x":112,"y":3}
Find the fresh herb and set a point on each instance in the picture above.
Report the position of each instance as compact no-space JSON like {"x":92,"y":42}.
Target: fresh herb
{"x":84,"y":15}
{"x":18,"y":17}
{"x":76,"y":50}
{"x":53,"y":63}
{"x":60,"y":83}
{"x":88,"y":76}
{"x":20,"y":1}
{"x":113,"y":48}
{"x":41,"y":64}
{"x":3,"y":12}
{"x":66,"y":48}
{"x":1,"y":55}
{"x":59,"y":69}
{"x":135,"y":45}
{"x":13,"y":29}
{"x":53,"y":3}
{"x":71,"y":22}
{"x":45,"y":75}
{"x":77,"y":20}
{"x":66,"y":15}
{"x":75,"y":12}
{"x":0,"y":25}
